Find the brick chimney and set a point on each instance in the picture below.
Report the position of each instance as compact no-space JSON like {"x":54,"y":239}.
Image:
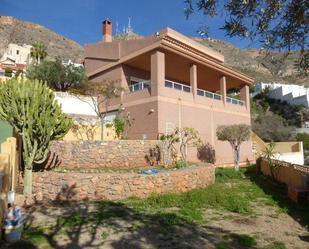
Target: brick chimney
{"x":107,"y":30}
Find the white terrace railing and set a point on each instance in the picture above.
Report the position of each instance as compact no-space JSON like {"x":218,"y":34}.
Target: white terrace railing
{"x":235,"y":101}
{"x":185,"y":88}
{"x":177,"y":86}
{"x":216,"y":96}
{"x":207,"y":94}
{"x":139,"y":86}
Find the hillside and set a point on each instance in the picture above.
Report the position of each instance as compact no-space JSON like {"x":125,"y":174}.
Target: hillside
{"x":255,"y":63}
{"x":15,"y":31}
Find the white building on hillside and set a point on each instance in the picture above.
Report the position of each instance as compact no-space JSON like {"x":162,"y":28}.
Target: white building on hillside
{"x":69,"y":62}
{"x":76,"y":105}
{"x":292,"y":94}
{"x":81,"y":106}
{"x":20,"y":54}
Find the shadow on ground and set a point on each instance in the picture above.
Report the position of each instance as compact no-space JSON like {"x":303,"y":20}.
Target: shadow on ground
{"x":114,"y":225}
{"x":279,"y":193}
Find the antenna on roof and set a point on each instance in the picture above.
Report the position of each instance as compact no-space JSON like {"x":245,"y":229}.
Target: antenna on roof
{"x":130,"y":30}
{"x":117,"y":28}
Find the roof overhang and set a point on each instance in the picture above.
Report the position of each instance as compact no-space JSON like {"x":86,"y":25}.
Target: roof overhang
{"x":175,"y":42}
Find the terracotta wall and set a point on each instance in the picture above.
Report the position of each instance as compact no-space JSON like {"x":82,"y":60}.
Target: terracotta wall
{"x":114,"y":74}
{"x":295,"y":176}
{"x":170,"y":113}
{"x":100,"y":154}
{"x":114,"y":186}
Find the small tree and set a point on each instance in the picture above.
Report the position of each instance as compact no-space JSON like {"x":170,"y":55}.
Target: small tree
{"x":8,"y":72}
{"x":30,"y":107}
{"x":122,"y":123}
{"x":187,"y":136}
{"x":269,"y":154}
{"x":119,"y":125}
{"x":167,"y":148}
{"x":235,"y":134}
{"x":100,"y":94}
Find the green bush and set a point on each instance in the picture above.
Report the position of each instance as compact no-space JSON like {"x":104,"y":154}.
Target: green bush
{"x":222,"y":245}
{"x":276,"y":245}
{"x":119,"y":125}
{"x":58,"y":76}
{"x":244,"y":240}
{"x":8,"y":72}
{"x":181,"y":164}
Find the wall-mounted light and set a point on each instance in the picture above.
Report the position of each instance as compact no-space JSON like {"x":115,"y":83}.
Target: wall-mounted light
{"x":151,"y":111}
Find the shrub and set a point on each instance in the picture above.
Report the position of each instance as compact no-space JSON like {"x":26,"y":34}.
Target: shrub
{"x":244,"y":240}
{"x":276,"y":245}
{"x":206,"y":153}
{"x":272,"y":128}
{"x":8,"y":72}
{"x":119,"y":125}
{"x":58,"y":76}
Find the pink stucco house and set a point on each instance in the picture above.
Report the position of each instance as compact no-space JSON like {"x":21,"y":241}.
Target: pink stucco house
{"x":172,"y":81}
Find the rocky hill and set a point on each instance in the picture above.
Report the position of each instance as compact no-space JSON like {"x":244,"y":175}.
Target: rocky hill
{"x":19,"y":32}
{"x":277,"y":67}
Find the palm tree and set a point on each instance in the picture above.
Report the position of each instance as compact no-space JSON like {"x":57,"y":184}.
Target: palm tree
{"x":38,"y":51}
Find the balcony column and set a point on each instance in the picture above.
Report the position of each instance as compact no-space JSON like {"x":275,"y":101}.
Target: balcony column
{"x":223,"y":89}
{"x":193,"y":79}
{"x":245,"y":96}
{"x":157,"y":73}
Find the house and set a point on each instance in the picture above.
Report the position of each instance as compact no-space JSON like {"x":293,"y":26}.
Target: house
{"x":15,"y":59}
{"x":20,"y":54}
{"x":169,"y":81}
{"x":291,"y":93}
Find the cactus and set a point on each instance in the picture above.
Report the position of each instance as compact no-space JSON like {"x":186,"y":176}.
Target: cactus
{"x":29,"y":106}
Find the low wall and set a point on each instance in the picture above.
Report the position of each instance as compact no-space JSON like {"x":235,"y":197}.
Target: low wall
{"x":51,"y":185}
{"x":296,"y":176}
{"x":100,"y":154}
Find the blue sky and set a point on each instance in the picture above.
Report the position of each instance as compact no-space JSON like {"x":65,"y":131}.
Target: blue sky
{"x":81,"y":20}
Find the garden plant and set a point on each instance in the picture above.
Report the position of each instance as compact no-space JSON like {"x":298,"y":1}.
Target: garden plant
{"x":30,"y":107}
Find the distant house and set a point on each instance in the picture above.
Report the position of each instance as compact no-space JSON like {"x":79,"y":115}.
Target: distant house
{"x":15,"y":59}
{"x":292,"y":94}
{"x":171,"y":81}
{"x":20,"y":54}
{"x":69,"y":62}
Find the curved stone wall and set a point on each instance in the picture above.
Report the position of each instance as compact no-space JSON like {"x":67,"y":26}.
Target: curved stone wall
{"x":50,"y":185}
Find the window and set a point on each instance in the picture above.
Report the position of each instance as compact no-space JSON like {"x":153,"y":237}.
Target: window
{"x":17,"y":51}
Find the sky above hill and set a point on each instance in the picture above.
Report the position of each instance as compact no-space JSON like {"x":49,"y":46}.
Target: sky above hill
{"x":80,"y":20}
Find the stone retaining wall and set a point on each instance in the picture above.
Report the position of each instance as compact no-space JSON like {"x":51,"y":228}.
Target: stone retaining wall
{"x":100,"y":154}
{"x":50,"y":185}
